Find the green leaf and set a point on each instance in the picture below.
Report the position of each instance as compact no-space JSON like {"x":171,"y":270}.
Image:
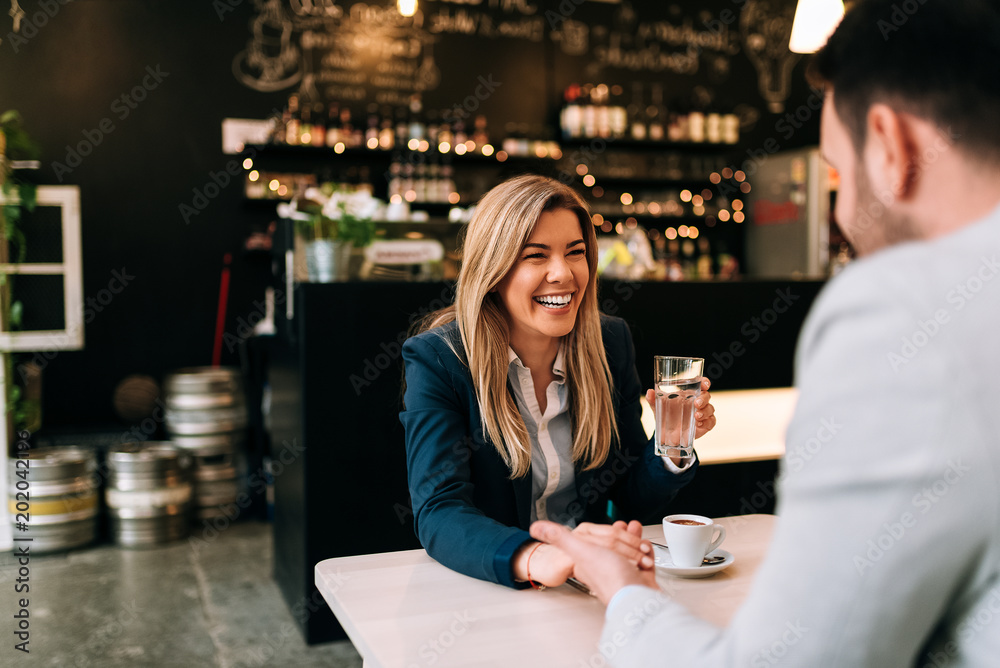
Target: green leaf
{"x":29,"y":195}
{"x":12,"y":213}
{"x":16,"y":314}
{"x":15,"y":237}
{"x":10,"y":117}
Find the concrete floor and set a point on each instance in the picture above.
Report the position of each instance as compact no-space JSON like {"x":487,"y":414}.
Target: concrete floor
{"x":174,"y":605}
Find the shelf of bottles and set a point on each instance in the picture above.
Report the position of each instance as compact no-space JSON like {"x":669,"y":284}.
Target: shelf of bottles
{"x":420,"y":147}
{"x":599,"y":111}
{"x":639,"y":163}
{"x":664,"y":169}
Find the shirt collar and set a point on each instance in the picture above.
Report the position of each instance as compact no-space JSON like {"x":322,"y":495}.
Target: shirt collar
{"x":558,"y":365}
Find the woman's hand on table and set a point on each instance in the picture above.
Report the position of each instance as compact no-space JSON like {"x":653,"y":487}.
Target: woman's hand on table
{"x":551,"y":566}
{"x":704,"y":410}
{"x":603,"y":570}
{"x":542,"y":564}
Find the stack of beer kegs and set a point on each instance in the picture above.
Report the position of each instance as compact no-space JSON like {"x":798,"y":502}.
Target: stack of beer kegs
{"x":148,"y":493}
{"x":53,"y":498}
{"x":206,"y":416}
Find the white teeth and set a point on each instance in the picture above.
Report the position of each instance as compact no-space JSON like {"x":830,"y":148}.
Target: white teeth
{"x":554,"y":301}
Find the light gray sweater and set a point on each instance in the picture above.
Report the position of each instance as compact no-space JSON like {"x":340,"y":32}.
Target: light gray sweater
{"x":890,"y":482}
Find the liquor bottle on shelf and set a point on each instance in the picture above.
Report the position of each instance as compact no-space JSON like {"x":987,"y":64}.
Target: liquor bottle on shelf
{"x":619,"y":117}
{"x":728,"y":267}
{"x":447,"y":184}
{"x":420,"y":183}
{"x":386,"y":133}
{"x":601,"y":112}
{"x":371,"y":133}
{"x":688,"y":265}
{"x":317,"y":134}
{"x":458,"y":133}
{"x":445,"y":138}
{"x":634,"y":111}
{"x":677,"y":130}
{"x":415,"y":127}
{"x":395,"y":180}
{"x":402,"y":128}
{"x":432,"y":130}
{"x":696,"y":123}
{"x":347,"y":137}
{"x":730,"y":127}
{"x":589,"y":120}
{"x":675,"y":271}
{"x":431,"y":187}
{"x":704,"y":262}
{"x":332,"y":125}
{"x":713,"y":127}
{"x":293,"y":125}
{"x":654,"y":115}
{"x":408,"y":186}
{"x":276,"y":135}
{"x":479,"y":133}
{"x":306,"y":126}
{"x":571,"y":117}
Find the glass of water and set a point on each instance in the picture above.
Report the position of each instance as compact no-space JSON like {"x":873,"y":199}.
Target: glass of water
{"x":677,"y":382}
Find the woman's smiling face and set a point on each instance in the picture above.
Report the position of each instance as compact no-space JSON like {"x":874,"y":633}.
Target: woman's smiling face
{"x":543,"y":291}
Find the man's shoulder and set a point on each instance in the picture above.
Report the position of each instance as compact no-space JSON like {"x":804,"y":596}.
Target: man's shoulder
{"x":916,"y":275}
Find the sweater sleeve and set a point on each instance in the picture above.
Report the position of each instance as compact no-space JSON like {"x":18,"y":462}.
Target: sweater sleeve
{"x":439,"y":449}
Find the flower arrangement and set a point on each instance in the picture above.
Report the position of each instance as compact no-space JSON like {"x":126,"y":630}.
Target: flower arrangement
{"x":334,"y":214}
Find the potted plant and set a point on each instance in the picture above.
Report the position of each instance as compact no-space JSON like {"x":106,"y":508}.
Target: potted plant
{"x":332,"y":221}
{"x":18,"y":196}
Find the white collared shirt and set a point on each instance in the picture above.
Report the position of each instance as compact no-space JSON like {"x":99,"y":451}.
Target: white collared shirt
{"x":553,"y":478}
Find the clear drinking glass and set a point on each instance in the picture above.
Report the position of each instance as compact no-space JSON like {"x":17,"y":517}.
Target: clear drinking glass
{"x":677,"y":382}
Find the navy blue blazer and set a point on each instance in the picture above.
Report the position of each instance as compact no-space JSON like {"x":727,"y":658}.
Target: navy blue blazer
{"x":467,"y":512}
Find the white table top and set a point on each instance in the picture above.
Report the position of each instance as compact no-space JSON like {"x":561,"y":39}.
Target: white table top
{"x":750,"y":425}
{"x":403,"y":609}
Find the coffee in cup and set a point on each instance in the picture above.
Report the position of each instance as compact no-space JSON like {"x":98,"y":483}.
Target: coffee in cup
{"x":690,"y":537}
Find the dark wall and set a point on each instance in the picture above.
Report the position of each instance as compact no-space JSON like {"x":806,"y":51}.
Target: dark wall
{"x":67,"y":74}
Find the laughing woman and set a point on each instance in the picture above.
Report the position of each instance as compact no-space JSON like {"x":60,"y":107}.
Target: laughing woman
{"x":522,"y":400}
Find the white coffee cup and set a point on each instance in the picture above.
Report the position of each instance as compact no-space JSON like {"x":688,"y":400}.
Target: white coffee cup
{"x":691,"y":540}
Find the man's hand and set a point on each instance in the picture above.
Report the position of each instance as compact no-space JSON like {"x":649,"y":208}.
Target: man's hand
{"x":603,"y":570}
{"x":625,"y":539}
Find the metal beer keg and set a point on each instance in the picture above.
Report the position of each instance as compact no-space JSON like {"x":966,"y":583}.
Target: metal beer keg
{"x":206,"y":416}
{"x":149,"y":493}
{"x":217,"y":473}
{"x":53,"y":495}
{"x":204,"y":400}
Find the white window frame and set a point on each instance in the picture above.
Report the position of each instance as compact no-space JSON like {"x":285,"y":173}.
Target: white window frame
{"x":71,"y":269}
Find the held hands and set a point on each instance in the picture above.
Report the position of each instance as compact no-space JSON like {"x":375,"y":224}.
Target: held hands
{"x":705,"y":412}
{"x":550,"y":566}
{"x":604,"y":570}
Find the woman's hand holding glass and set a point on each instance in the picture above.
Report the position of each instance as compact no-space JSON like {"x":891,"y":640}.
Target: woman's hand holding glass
{"x":705,"y":415}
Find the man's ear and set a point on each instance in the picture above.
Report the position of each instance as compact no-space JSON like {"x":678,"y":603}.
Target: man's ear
{"x":890,"y":153}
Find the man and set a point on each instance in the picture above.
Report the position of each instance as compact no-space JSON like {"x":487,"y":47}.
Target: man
{"x":887,"y":547}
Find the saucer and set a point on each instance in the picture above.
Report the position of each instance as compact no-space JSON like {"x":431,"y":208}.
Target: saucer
{"x":666,"y":565}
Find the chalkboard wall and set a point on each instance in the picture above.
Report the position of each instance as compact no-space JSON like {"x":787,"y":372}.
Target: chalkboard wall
{"x":127,"y":100}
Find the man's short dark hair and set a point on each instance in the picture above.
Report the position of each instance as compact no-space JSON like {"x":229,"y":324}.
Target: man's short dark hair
{"x":937,"y":59}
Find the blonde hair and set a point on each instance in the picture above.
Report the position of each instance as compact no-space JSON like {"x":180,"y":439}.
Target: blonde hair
{"x":503,"y":222}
